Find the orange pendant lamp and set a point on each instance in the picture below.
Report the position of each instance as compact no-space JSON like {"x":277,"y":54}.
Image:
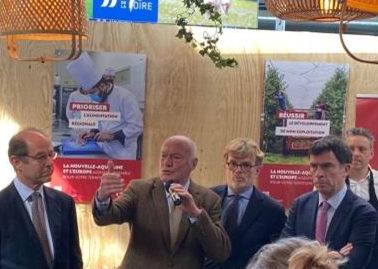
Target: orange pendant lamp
{"x":316,"y":10}
{"x":43,"y":20}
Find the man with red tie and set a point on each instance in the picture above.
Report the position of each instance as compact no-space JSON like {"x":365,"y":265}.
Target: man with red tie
{"x":333,"y":214}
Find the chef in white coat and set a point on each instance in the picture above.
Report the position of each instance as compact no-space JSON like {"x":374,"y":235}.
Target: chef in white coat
{"x":118,"y":138}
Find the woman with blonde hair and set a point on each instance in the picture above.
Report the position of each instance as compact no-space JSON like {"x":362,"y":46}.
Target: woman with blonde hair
{"x":296,"y":253}
{"x":315,"y":256}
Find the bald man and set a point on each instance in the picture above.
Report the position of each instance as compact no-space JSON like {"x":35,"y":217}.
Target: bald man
{"x":38,"y":227}
{"x":174,"y":222}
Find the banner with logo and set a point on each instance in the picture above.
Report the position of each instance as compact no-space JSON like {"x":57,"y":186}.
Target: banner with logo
{"x":303,"y":101}
{"x":123,"y":10}
{"x":367,"y":117}
{"x":97,"y":116}
{"x":235,"y":13}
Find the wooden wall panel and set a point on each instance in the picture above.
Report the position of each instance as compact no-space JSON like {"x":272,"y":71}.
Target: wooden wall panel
{"x":185,"y":94}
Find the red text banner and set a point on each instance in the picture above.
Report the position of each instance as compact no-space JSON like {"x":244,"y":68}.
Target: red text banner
{"x":285,"y":182}
{"x":367,"y":117}
{"x":80,"y":178}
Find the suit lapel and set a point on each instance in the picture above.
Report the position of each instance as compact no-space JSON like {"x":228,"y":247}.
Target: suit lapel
{"x":23,"y":214}
{"x":161,"y":210}
{"x":340,"y":212}
{"x":54,"y":216}
{"x":310,"y":214}
{"x":20,"y":207}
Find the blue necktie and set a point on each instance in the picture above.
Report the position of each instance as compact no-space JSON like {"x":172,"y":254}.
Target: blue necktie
{"x":231,"y":215}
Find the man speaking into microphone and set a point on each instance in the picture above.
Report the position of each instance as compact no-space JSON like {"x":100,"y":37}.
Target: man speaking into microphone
{"x":174,"y":222}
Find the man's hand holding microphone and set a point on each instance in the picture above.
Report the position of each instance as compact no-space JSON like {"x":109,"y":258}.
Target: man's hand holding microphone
{"x":182,"y":198}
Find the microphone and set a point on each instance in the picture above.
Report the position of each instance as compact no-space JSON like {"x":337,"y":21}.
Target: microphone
{"x":174,"y":196}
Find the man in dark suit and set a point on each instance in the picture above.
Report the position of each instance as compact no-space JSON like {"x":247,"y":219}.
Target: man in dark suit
{"x":259,"y":218}
{"x":38,"y":228}
{"x":164,"y":235}
{"x":333,"y":214}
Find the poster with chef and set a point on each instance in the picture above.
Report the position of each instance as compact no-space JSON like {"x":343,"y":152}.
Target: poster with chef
{"x":97,"y":116}
{"x":303,"y":101}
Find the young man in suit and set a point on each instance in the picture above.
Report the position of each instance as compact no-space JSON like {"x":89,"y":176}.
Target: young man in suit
{"x":256,"y":219}
{"x":363,"y":179}
{"x":38,"y":227}
{"x":333,"y":214}
{"x":165,"y":235}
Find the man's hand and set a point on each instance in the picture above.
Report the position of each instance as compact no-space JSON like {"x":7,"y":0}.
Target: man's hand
{"x":345,"y":250}
{"x":188,"y":205}
{"x":111,"y":183}
{"x":104,"y":137}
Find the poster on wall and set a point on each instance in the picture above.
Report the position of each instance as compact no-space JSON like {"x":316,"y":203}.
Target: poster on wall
{"x":235,"y":13}
{"x":98,"y":105}
{"x":123,"y":10}
{"x":303,"y":101}
{"x":367,"y":117}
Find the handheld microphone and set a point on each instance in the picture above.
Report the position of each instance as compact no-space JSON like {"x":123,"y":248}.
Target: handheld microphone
{"x":174,"y":196}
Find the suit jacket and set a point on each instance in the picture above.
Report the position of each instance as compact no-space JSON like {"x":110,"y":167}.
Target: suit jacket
{"x":262,"y":222}
{"x":354,"y":221}
{"x":144,"y":205}
{"x":20,"y":247}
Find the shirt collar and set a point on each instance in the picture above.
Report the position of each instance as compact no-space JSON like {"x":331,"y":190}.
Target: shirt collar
{"x":24,"y":190}
{"x":186,"y":187}
{"x":365,"y":179}
{"x":336,"y":199}
{"x":245,"y":194}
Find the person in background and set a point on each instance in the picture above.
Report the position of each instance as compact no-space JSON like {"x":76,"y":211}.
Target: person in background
{"x":118,"y":138}
{"x":362,"y":178}
{"x":296,"y":253}
{"x":109,"y":75}
{"x":174,"y":222}
{"x":38,"y":227}
{"x":333,"y":214}
{"x":251,"y":218}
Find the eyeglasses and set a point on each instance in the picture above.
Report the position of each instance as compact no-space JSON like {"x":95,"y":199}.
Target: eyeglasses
{"x":244,"y":167}
{"x":43,"y":157}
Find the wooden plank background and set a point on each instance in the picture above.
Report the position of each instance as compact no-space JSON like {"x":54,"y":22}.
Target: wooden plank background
{"x":185,"y":94}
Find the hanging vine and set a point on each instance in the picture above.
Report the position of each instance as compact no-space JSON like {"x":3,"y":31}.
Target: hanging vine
{"x":208,"y":47}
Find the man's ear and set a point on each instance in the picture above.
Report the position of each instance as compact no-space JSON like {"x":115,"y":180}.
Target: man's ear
{"x":15,"y":161}
{"x":194,"y":163}
{"x":347,"y":168}
{"x":258,"y":169}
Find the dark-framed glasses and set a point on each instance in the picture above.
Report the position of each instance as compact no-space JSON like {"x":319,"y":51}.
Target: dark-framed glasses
{"x":41,"y":158}
{"x":244,"y":167}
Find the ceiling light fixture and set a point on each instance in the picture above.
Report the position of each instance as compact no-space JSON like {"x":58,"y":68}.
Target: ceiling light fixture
{"x":315,"y":10}
{"x":43,"y":20}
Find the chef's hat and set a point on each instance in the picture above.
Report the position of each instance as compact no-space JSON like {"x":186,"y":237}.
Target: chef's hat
{"x":110,"y":71}
{"x":84,"y":71}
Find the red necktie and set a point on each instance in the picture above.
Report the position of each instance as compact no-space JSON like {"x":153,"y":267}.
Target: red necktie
{"x":321,"y":222}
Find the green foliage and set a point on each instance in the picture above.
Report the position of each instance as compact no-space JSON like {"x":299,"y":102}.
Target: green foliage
{"x":274,"y":80}
{"x":209,"y":46}
{"x":333,"y":95}
{"x":288,"y":159}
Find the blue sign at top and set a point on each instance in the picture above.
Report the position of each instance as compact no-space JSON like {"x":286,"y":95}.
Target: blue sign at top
{"x":126,"y":10}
